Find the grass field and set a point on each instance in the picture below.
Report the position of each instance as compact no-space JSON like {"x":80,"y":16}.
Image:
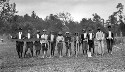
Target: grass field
{"x":9,"y":61}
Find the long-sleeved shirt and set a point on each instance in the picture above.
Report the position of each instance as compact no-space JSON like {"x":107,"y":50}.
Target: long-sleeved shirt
{"x":59,"y":38}
{"x":99,"y":35}
{"x":44,"y":37}
{"x":52,"y":37}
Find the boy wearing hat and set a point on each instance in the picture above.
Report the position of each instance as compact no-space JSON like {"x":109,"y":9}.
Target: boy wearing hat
{"x":60,"y":40}
{"x":68,"y":43}
{"x":44,"y":43}
{"x":19,"y":44}
{"x":100,"y":37}
{"x":84,"y":41}
{"x":90,"y":42}
{"x":37,"y":43}
{"x":52,"y":43}
{"x":109,"y":39}
{"x":29,"y":44}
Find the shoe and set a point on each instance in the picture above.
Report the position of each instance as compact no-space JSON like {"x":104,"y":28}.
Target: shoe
{"x":43,"y":57}
{"x":111,"y":52}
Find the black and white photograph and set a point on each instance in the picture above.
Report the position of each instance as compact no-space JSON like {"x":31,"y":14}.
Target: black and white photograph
{"x":62,"y":35}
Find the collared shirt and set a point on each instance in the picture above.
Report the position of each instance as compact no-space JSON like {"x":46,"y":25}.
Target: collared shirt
{"x":77,"y":39}
{"x":85,"y":35}
{"x":60,"y":38}
{"x":52,"y":37}
{"x":38,"y":36}
{"x":110,"y":34}
{"x":44,"y":37}
{"x":20,"y":34}
{"x":28,"y":35}
{"x":99,"y":35}
{"x":68,"y":38}
{"x":90,"y":36}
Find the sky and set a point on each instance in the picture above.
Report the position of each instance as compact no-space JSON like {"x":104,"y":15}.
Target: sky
{"x":78,"y":8}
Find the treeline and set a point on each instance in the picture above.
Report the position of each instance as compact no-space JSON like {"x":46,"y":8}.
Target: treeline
{"x":63,"y":21}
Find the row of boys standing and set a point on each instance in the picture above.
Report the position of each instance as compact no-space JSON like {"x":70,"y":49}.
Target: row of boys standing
{"x":86,"y":39}
{"x":52,"y":39}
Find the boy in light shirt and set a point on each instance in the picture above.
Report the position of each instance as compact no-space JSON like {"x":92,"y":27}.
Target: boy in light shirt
{"x":44,"y":43}
{"x":60,"y":40}
{"x":100,"y":38}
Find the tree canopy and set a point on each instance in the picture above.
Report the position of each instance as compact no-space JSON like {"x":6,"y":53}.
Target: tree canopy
{"x":62,"y":21}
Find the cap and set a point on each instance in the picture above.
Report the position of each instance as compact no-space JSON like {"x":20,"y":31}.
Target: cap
{"x":44,"y":30}
{"x":20,"y":28}
{"x":83,"y":29}
{"x":109,"y":26}
{"x":38,"y":31}
{"x":67,"y":32}
{"x":98,"y":28}
{"x":60,"y":33}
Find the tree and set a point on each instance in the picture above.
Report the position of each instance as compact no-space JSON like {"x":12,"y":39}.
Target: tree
{"x":7,"y":10}
{"x":27,"y":17}
{"x":7,"y":13}
{"x":33,"y":15}
{"x":96,"y":17}
{"x":65,"y":17}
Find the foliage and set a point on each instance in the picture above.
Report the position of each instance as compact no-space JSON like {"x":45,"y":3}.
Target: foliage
{"x":62,"y":21}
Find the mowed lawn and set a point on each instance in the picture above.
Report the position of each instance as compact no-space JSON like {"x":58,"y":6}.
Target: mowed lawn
{"x":9,"y":61}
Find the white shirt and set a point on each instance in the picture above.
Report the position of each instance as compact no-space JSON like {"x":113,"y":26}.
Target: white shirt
{"x":44,"y":37}
{"x":90,"y":34}
{"x":28,"y":35}
{"x":99,"y":35}
{"x":38,"y":36}
{"x":77,"y":39}
{"x":60,"y":38}
{"x":110,"y":34}
{"x":20,"y":34}
{"x":85,"y":35}
{"x":52,"y":37}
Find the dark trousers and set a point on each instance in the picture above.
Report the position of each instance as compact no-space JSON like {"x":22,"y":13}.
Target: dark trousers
{"x":52,"y":48}
{"x":109,"y":45}
{"x":84,"y":47}
{"x":29,"y":45}
{"x":37,"y":45}
{"x":60,"y":48}
{"x":76,"y":45}
{"x":68,"y":47}
{"x":37,"y":52}
{"x":19,"y":48}
{"x":91,"y":45}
